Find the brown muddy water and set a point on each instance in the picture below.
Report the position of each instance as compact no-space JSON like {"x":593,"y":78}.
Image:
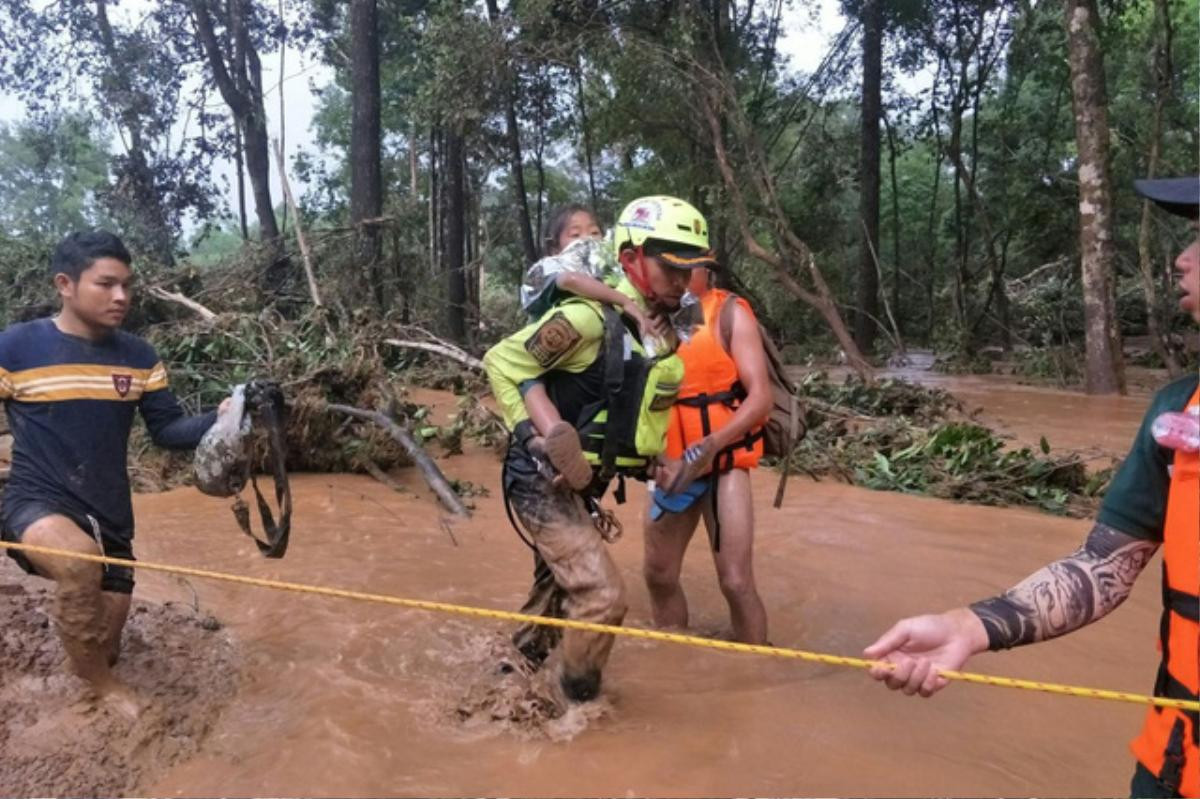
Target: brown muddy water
{"x":344,"y":698}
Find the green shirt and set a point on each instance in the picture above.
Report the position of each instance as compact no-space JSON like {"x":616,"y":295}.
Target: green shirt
{"x":1136,"y":502}
{"x":568,"y":338}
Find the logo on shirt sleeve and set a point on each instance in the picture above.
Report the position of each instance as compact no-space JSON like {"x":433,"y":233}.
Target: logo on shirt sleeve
{"x":552,"y":340}
{"x":122,"y":383}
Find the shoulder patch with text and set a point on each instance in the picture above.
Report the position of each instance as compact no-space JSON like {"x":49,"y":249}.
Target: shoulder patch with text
{"x":556,"y":337}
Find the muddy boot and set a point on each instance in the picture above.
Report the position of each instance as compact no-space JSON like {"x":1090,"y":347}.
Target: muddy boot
{"x":566,"y":455}
{"x":582,"y":688}
{"x":532,"y":642}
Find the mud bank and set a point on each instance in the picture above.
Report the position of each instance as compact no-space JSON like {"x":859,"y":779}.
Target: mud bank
{"x":55,"y":741}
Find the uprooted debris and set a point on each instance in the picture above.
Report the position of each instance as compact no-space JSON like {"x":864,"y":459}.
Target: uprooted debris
{"x":317,"y":362}
{"x":898,"y":436}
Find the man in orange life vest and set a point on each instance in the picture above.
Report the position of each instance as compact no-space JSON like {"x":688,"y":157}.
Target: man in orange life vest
{"x":1154,"y":501}
{"x":716,"y":430}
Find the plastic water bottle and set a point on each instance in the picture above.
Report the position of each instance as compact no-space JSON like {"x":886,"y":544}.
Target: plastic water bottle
{"x":1178,"y":431}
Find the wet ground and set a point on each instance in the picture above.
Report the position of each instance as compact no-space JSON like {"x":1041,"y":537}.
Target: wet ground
{"x":56,"y":740}
{"x":344,"y":698}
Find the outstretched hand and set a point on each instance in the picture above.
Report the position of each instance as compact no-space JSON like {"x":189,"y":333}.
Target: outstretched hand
{"x":921,"y":647}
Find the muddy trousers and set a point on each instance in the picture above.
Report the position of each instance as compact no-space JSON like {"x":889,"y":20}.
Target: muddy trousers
{"x":574,"y":578}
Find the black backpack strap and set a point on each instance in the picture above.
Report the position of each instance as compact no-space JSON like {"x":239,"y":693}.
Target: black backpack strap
{"x":624,"y":380}
{"x":614,"y":380}
{"x":268,"y":407}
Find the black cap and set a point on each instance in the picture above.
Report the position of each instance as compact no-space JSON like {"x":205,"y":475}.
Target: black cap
{"x":1179,"y":196}
{"x":680,"y":256}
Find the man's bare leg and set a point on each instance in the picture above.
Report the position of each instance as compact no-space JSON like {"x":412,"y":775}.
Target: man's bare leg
{"x":734,"y":561}
{"x":666,"y":541}
{"x":117,"y":611}
{"x":81,"y":612}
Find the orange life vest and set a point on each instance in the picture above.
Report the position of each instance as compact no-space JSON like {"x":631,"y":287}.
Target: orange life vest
{"x":710,"y":393}
{"x":1167,"y":745}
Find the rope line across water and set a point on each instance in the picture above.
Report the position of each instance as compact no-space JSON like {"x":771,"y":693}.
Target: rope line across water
{"x":628,"y":632}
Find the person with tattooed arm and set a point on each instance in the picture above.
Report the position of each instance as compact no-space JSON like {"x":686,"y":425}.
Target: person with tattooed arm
{"x":1154,"y":502}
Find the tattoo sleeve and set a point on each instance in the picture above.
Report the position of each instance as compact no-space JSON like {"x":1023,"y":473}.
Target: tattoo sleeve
{"x":1069,"y":593}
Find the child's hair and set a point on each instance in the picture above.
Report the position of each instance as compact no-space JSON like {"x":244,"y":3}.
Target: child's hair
{"x":557,"y":223}
{"x":79,"y":250}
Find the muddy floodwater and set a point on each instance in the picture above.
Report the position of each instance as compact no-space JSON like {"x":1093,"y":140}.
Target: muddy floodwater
{"x":343,"y":698}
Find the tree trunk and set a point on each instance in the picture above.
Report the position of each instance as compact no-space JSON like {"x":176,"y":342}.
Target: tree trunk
{"x":790,"y":250}
{"x":366,"y":176}
{"x":512,"y":134}
{"x":1105,"y":373}
{"x":539,"y":161}
{"x":240,"y":162}
{"x":896,"y":271}
{"x":434,"y":200}
{"x":867,"y":313}
{"x":585,"y":128}
{"x":455,"y":225}
{"x":930,"y":229}
{"x":1160,"y":67}
{"x":412,"y":162}
{"x":240,"y":82}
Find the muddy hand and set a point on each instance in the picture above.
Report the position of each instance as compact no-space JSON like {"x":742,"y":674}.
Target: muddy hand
{"x":697,"y":461}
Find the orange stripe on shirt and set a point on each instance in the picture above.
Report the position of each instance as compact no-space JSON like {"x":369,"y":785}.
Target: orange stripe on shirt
{"x":158,"y":378}
{"x":80,"y":370}
{"x":82,"y":392}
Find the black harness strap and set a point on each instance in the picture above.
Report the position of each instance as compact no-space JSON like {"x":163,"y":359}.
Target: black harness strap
{"x":265,"y":400}
{"x":614,"y":381}
{"x":723,"y":462}
{"x":1172,"y":770}
{"x":1185,"y":604}
{"x":512,"y":517}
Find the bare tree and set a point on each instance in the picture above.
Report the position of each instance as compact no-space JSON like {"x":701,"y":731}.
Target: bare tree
{"x":512,"y":135}
{"x":366,"y":174}
{"x":456,"y":212}
{"x":238,"y":75}
{"x":1160,"y":69}
{"x":1104,"y":368}
{"x":750,"y":176}
{"x":868,"y":175}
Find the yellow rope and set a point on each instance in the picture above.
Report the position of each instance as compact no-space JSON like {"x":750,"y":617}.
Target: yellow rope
{"x":629,"y":632}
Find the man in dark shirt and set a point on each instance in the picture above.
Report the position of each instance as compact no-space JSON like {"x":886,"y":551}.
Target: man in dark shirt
{"x":1153,"y":503}
{"x":70,"y":384}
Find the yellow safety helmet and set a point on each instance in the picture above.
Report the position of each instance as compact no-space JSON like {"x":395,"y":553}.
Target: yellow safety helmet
{"x":678,"y":230}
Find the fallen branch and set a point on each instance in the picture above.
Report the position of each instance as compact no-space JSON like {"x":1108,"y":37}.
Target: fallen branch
{"x":447,"y":350}
{"x":304,"y":251}
{"x":186,"y":302}
{"x":433,"y":475}
{"x":382,"y":476}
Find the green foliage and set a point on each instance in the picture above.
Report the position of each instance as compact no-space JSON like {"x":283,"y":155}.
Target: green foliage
{"x":886,"y":397}
{"x":24,"y":269}
{"x":897,"y":436}
{"x":1059,"y":364}
{"x":967,"y":463}
{"x":51,"y":173}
